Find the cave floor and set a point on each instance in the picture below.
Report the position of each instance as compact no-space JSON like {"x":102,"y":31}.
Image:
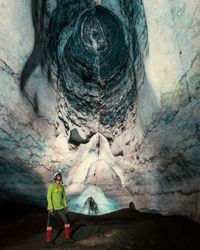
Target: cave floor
{"x":23,"y":227}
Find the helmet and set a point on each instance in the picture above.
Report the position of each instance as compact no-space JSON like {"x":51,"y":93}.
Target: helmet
{"x":56,"y":173}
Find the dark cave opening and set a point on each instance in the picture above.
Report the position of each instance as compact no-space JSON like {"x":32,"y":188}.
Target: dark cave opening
{"x":84,"y":44}
{"x":96,"y":44}
{"x":106,"y":59}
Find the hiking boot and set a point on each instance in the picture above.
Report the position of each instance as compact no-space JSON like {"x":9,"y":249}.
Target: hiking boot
{"x":50,"y":244}
{"x":70,"y":240}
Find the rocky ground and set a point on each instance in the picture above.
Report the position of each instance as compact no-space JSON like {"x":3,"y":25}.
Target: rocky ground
{"x":23,"y":228}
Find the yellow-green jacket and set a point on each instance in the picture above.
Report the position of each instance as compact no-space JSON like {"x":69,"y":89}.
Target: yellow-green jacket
{"x":56,"y":197}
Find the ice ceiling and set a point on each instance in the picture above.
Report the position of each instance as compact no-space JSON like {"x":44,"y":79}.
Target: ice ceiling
{"x":108,"y":92}
{"x":91,"y":55}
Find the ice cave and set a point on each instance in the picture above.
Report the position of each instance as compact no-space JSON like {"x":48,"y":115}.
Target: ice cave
{"x":108,"y":91}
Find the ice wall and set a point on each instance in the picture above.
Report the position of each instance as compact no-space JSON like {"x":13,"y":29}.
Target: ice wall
{"x":108,"y":91}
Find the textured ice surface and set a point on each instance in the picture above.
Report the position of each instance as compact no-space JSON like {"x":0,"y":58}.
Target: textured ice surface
{"x":148,"y":57}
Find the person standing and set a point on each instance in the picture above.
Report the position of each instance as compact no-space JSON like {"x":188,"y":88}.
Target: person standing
{"x":57,"y":204}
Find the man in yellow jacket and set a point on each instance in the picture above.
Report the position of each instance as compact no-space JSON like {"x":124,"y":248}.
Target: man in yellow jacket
{"x":57,"y":204}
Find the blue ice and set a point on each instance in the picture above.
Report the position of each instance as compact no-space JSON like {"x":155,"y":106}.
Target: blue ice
{"x":92,"y":201}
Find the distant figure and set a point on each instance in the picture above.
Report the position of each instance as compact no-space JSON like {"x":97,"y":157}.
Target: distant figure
{"x":132,"y":206}
{"x":101,"y":83}
{"x":57,"y":204}
{"x":90,"y":206}
{"x":93,"y":206}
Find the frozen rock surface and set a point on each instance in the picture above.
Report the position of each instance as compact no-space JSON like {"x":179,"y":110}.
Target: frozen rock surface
{"x":107,"y":91}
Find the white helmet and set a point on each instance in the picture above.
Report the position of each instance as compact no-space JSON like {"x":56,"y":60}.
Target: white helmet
{"x":56,"y":173}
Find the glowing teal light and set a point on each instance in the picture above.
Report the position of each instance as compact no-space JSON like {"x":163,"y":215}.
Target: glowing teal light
{"x":81,"y":203}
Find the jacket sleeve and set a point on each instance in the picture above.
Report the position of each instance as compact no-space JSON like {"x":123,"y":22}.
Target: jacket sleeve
{"x":64,"y":198}
{"x":49,"y":197}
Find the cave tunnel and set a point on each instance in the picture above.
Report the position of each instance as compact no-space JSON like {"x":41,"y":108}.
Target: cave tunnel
{"x":108,"y":92}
